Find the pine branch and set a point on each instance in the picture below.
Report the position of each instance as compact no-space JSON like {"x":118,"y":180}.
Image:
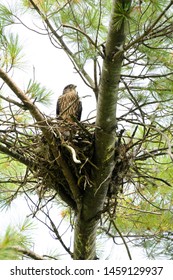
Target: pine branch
{"x":149,"y":30}
{"x":23,"y":97}
{"x":17,"y":156}
{"x":13,"y":102}
{"x":123,"y":239}
{"x":54,"y":228}
{"x":64,"y":46}
{"x":85,"y":35}
{"x":147,"y":76}
{"x":27,"y":252}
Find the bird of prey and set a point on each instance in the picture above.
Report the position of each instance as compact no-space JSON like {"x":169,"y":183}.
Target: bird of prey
{"x":69,"y":104}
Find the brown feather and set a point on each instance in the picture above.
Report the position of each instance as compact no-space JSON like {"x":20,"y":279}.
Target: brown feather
{"x":69,"y":105}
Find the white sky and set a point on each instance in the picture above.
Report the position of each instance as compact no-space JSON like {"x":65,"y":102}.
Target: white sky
{"x":52,"y":68}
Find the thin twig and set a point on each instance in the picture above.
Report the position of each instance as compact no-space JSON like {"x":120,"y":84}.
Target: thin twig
{"x":123,"y":239}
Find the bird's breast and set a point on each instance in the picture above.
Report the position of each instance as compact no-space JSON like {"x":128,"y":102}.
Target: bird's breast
{"x":68,"y":104}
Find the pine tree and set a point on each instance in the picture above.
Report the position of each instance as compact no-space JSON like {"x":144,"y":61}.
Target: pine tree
{"x":114,"y":174}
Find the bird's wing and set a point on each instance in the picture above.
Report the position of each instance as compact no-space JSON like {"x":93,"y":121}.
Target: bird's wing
{"x":79,"y":111}
{"x":58,"y":108}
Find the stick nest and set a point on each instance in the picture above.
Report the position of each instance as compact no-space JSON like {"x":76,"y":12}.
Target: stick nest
{"x":75,"y":143}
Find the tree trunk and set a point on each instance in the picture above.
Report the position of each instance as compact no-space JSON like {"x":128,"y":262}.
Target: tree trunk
{"x":105,"y":138}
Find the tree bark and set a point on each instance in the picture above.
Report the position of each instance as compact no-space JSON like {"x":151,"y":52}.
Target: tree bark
{"x":105,"y":138}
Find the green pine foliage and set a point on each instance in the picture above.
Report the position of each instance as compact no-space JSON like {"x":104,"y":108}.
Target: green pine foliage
{"x":16,"y":237}
{"x":38,"y":93}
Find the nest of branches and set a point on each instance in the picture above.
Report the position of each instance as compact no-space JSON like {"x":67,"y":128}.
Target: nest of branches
{"x":75,"y":143}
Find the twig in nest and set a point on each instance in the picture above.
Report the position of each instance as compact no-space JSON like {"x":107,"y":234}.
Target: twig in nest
{"x":81,"y":126}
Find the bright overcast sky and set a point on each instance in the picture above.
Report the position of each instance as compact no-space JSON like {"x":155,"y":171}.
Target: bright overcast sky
{"x":52,"y":67}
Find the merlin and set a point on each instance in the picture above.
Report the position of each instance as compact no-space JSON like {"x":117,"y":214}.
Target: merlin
{"x":69,"y":104}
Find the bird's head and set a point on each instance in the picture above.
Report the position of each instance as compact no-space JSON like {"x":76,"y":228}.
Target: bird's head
{"x":69,"y":88}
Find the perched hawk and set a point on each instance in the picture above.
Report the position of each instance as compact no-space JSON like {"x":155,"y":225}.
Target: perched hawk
{"x":69,"y":104}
